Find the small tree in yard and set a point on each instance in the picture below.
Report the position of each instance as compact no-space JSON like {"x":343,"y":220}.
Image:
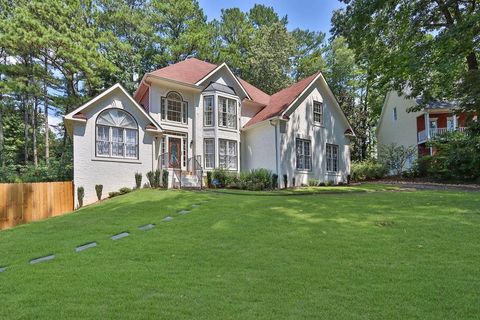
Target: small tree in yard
{"x":138,"y":180}
{"x":99,"y":190}
{"x":156,"y":178}
{"x":395,"y":157}
{"x":165,"y":178}
{"x":80,"y":195}
{"x":151,"y":179}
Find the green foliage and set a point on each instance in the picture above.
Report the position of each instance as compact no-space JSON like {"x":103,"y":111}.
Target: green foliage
{"x":138,"y":180}
{"x":156,"y":178}
{"x":313,"y":182}
{"x":165,"y":178}
{"x":80,"y":195}
{"x":99,"y":190}
{"x":285,"y":181}
{"x":151,"y":178}
{"x":224,"y":177}
{"x":456,"y":157}
{"x":124,"y":190}
{"x":113,"y":194}
{"x":367,"y":170}
{"x":274,"y":181}
{"x":256,"y":179}
{"x":395,"y":157}
{"x":209,"y":179}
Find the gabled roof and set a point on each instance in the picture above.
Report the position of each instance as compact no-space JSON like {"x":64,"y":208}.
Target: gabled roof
{"x":78,"y":115}
{"x":280,"y":101}
{"x":436,"y":104}
{"x":214,"y":86}
{"x":256,"y":94}
{"x":188,"y":71}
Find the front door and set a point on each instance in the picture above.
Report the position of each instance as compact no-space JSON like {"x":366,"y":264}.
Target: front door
{"x":174,"y":151}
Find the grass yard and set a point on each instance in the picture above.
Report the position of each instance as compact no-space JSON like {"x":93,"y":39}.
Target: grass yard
{"x":246,"y":255}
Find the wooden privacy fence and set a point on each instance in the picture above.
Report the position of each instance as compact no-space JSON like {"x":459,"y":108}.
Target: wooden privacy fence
{"x":25,"y":202}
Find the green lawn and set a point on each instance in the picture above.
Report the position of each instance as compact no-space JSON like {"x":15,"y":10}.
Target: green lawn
{"x":375,"y":254}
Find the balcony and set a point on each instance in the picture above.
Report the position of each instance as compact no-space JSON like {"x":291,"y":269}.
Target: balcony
{"x":424,"y":135}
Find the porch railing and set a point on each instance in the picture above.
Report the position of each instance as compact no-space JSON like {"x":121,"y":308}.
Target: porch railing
{"x":165,"y":161}
{"x":422,"y":136}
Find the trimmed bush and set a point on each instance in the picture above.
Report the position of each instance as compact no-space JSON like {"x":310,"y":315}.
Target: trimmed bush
{"x":256,"y":179}
{"x":329,"y":183}
{"x":285,"y":181}
{"x":99,"y":190}
{"x":124,"y":190}
{"x":209,"y":179}
{"x":151,"y":179}
{"x":313,"y":182}
{"x":274,"y":181}
{"x":156,"y":178}
{"x":367,"y":170}
{"x":113,"y":194}
{"x":138,"y":180}
{"x":80,"y":195}
{"x":224,"y":177}
{"x":165,"y":178}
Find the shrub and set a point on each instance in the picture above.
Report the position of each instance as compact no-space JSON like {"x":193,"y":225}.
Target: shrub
{"x":293,"y":182}
{"x":99,"y":190}
{"x":124,"y":190}
{"x":367,"y":170}
{"x":224,"y":177}
{"x":209,"y":179}
{"x":113,"y":194}
{"x":285,"y":181}
{"x":80,"y":195}
{"x":395,"y":157}
{"x":274,"y":181}
{"x":138,"y":180}
{"x":256,"y":179}
{"x":165,"y":178}
{"x":329,"y":183}
{"x":313,"y":182}
{"x":151,"y":180}
{"x":156,"y":178}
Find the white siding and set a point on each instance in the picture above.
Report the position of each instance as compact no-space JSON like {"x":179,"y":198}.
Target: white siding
{"x":258,"y":147}
{"x":113,"y":174}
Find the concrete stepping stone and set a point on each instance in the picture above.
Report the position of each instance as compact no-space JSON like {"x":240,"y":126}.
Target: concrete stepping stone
{"x":85,"y":246}
{"x":147,"y":227}
{"x":3,"y":269}
{"x":42,"y":259}
{"x":119,"y":236}
{"x":166,"y":219}
{"x":183,"y":212}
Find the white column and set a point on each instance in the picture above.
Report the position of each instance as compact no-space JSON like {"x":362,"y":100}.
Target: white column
{"x":454,"y":122}
{"x":427,"y":124}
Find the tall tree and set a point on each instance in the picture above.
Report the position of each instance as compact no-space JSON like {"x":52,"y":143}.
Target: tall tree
{"x":431,"y":46}
{"x":309,"y":50}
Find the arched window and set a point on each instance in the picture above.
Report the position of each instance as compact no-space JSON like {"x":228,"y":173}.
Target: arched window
{"x":117,"y":134}
{"x":174,"y":108}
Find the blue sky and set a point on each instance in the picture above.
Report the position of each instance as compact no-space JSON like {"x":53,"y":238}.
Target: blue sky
{"x":304,"y":14}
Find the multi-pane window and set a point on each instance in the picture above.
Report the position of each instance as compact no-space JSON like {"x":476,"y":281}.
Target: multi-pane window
{"x":332,"y":157}
{"x":173,"y":108}
{"x":117,"y":134}
{"x":164,"y":150}
{"x":304,"y":155}
{"x":318,"y":112}
{"x":227,"y":113}
{"x":209,"y":153}
{"x":208,"y":111}
{"x":227,"y":154}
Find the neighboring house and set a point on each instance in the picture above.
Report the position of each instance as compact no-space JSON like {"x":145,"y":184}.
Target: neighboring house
{"x":398,"y":126}
{"x":194,"y":116}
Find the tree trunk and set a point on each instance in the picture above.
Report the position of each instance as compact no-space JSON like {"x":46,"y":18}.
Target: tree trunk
{"x":45,"y":105}
{"x":34,"y":132}
{"x":2,"y":155}
{"x":25,"y":131}
{"x":472,"y":61}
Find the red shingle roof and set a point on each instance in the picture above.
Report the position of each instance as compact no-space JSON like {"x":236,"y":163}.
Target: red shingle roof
{"x":188,"y":71}
{"x":281,"y":100}
{"x":256,"y":94}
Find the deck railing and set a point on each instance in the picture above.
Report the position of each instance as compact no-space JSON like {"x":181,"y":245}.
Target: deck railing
{"x":422,"y":136}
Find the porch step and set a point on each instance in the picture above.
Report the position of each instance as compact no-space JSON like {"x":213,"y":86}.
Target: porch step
{"x":190,"y":181}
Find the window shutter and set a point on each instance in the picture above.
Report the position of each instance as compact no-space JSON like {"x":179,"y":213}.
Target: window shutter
{"x":185,"y":112}
{"x":162,"y":108}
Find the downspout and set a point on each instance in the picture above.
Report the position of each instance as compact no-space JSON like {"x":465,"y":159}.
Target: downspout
{"x":274,"y":124}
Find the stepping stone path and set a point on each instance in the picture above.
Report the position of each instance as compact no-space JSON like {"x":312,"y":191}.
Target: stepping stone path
{"x":120,"y":236}
{"x":42,"y":259}
{"x":3,"y":269}
{"x":166,"y":219}
{"x":183,"y":212}
{"x":146,"y":227}
{"x":85,"y":246}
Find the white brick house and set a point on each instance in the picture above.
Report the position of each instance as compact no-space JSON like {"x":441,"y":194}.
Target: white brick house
{"x":194,"y":116}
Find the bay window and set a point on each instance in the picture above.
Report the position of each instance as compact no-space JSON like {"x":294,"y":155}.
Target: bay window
{"x":227,"y":154}
{"x":117,"y":135}
{"x":209,"y":153}
{"x":227,"y":113}
{"x":208,"y":111}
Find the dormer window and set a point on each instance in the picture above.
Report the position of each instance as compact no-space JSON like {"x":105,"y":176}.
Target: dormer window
{"x":173,"y":108}
{"x":318,"y":112}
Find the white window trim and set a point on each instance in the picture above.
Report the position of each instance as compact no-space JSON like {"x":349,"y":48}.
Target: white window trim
{"x":228,"y":156}
{"x":212,"y":112}
{"x":329,"y":157}
{"x":219,"y":117}
{"x":322,"y":113}
{"x":164,"y":113}
{"x":310,"y":156}
{"x":213,"y":155}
